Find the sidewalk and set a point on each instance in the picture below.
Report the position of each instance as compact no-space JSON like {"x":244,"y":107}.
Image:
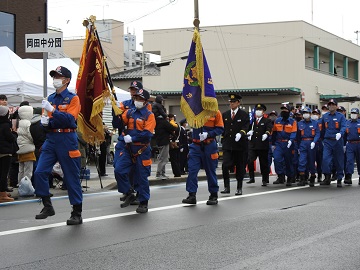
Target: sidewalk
{"x":93,"y":185}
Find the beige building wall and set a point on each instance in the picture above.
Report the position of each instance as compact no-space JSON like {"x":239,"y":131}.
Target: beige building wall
{"x":265,"y":55}
{"x":111,"y":35}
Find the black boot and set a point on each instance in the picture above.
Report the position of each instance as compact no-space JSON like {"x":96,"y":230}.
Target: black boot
{"x":280,"y":179}
{"x":142,"y":208}
{"x":347,"y":180}
{"x":48,"y":209}
{"x":75,"y":218}
{"x":327,"y":180}
{"x":130,"y":197}
{"x":226,"y":190}
{"x":191,"y":199}
{"x":338,"y":184}
{"x":312,"y":180}
{"x":213,"y":199}
{"x":265,"y":180}
{"x":252,"y":178}
{"x":289,"y":181}
{"x":302,"y":180}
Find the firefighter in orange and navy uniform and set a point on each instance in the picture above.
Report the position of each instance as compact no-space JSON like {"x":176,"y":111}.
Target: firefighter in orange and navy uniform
{"x":283,"y":142}
{"x":203,"y":153}
{"x":61,"y":145}
{"x":140,"y":122}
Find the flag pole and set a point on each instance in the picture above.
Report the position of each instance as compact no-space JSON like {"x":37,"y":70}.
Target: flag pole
{"x":196,"y":14}
{"x":108,"y":77}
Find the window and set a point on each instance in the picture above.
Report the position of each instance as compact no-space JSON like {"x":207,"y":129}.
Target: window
{"x":7,"y":30}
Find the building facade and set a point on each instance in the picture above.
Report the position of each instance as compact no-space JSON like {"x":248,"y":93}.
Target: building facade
{"x":271,"y":63}
{"x":19,"y":17}
{"x":111,"y":34}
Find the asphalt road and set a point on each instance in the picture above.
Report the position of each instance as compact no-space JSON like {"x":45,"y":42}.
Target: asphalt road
{"x":270,"y":227}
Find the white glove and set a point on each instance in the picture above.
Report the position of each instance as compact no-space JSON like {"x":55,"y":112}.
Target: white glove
{"x":273,"y":148}
{"x":44,"y":120}
{"x":237,"y":137}
{"x":289,"y":144}
{"x":117,"y":103}
{"x":203,"y":136}
{"x":47,"y":106}
{"x":264,"y":137}
{"x":127,"y":139}
{"x":250,"y":133}
{"x":181,"y":150}
{"x":312,"y":145}
{"x":344,"y":149}
{"x":338,"y":136}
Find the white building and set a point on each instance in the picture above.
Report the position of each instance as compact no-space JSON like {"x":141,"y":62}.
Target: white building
{"x":269,"y":63}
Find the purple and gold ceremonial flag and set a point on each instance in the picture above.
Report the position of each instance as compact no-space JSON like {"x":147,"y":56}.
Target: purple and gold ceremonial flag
{"x":198,"y":100}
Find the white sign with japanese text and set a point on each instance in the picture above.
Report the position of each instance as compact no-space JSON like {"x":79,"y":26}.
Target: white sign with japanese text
{"x":44,"y":42}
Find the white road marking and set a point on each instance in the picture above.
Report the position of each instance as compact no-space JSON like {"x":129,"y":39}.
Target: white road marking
{"x":54,"y":225}
{"x":61,"y":224}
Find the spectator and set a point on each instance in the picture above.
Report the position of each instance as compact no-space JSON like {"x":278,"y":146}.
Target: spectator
{"x":6,"y":149}
{"x":163,"y":130}
{"x":103,"y":151}
{"x":158,"y":108}
{"x":26,"y":152}
{"x":174,"y":151}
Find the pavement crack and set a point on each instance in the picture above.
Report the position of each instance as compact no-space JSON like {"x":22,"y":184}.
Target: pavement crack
{"x":293,"y":206}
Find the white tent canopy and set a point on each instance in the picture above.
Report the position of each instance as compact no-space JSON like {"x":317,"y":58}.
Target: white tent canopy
{"x":23,"y":79}
{"x":18,"y":80}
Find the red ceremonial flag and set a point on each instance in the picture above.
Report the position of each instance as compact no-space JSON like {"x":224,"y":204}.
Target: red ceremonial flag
{"x":92,"y":88}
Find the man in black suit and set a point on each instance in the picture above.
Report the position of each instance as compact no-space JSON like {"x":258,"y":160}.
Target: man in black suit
{"x":234,"y":143}
{"x":259,"y":144}
{"x":184,"y":147}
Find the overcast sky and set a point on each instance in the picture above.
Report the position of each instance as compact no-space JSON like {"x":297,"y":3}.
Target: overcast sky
{"x":340,"y":17}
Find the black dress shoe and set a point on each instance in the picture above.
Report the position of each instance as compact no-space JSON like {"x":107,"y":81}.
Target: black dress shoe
{"x":252,"y":181}
{"x":238,"y":192}
{"x":103,"y":174}
{"x":264,"y":184}
{"x":225,"y":191}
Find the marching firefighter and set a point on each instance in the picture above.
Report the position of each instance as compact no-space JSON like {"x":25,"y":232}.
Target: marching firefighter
{"x":352,"y":136}
{"x":61,"y":145}
{"x":136,"y":155}
{"x":308,"y":135}
{"x":283,"y":140}
{"x":204,"y":152}
{"x":333,"y":130}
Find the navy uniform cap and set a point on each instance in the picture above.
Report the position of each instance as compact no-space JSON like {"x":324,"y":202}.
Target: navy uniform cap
{"x":355,"y":110}
{"x":332,"y":101}
{"x":183,"y":121}
{"x":234,"y":97}
{"x":63,"y":71}
{"x":143,"y":93}
{"x":306,"y":110}
{"x":341,"y":109}
{"x":273,"y":112}
{"x":316,"y":111}
{"x":260,"y":107}
{"x":285,"y":106}
{"x":136,"y":84}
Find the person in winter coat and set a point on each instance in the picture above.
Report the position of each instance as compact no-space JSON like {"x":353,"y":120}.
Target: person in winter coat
{"x":38,"y":134}
{"x":158,"y":109}
{"x":26,"y":152}
{"x":6,"y":149}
